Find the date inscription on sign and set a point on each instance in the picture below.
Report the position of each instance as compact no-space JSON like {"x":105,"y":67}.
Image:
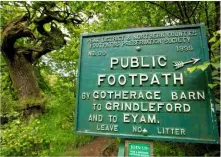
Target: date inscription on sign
{"x":134,"y":84}
{"x":138,"y":150}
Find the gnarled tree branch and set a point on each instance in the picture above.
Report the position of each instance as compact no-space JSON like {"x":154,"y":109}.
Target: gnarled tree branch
{"x":49,"y":41}
{"x":11,"y":32}
{"x":55,"y":38}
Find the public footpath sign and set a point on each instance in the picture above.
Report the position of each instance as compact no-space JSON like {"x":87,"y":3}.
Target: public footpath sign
{"x":134,"y":84}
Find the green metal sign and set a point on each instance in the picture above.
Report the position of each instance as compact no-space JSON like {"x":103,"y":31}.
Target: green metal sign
{"x":138,"y":150}
{"x":133,"y":84}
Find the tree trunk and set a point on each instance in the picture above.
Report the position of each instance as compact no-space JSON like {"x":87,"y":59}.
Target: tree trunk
{"x":20,"y":58}
{"x":217,"y":5}
{"x":19,"y":61}
{"x":24,"y":80}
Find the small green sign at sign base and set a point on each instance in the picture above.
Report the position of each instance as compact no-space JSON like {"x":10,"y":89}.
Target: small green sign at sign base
{"x":135,"y":148}
{"x":138,"y":149}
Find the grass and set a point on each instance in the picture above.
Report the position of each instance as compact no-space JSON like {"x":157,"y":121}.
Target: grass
{"x":57,"y":124}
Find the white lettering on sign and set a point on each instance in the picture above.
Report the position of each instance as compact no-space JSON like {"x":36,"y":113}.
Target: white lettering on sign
{"x":188,"y":95}
{"x":133,"y":105}
{"x":107,"y":127}
{"x":139,"y":118}
{"x":171,"y":131}
{"x":100,"y":79}
{"x":137,"y":129}
{"x":147,"y":106}
{"x":177,"y":40}
{"x":111,"y":80}
{"x":162,"y":63}
{"x":143,"y":79}
{"x":179,"y":78}
{"x":95,"y":118}
{"x":127,"y":95}
{"x":113,"y":61}
{"x":166,"y":75}
{"x":140,"y":39}
{"x":85,"y":96}
{"x":122,"y":80}
{"x":135,"y":62}
{"x":96,"y":107}
{"x":112,"y":118}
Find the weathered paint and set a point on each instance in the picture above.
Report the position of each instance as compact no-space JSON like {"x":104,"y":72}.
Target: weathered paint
{"x":98,"y":61}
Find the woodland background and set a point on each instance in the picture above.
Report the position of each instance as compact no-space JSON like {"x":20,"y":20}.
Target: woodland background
{"x":39,"y":59}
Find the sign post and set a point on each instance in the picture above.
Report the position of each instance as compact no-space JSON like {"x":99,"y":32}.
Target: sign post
{"x":133,"y":84}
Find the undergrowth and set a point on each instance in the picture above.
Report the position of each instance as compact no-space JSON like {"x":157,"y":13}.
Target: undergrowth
{"x":51,"y":134}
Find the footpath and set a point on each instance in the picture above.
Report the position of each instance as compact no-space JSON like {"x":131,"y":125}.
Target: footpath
{"x":96,"y":147}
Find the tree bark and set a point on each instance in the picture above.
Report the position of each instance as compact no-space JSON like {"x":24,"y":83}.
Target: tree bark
{"x":23,"y":77}
{"x":21,"y":69}
{"x":24,"y":80}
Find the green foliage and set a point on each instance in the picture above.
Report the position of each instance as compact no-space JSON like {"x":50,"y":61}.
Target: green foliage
{"x":8,"y":112}
{"x":8,"y":95}
{"x":21,"y":139}
{"x":167,"y":149}
{"x":51,"y":134}
{"x":215,"y":40}
{"x":215,"y":64}
{"x":183,"y":149}
{"x":30,"y":102}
